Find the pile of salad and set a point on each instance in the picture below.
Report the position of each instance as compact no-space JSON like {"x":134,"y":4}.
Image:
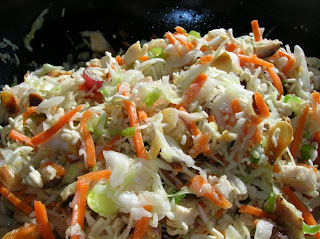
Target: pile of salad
{"x":188,"y":136}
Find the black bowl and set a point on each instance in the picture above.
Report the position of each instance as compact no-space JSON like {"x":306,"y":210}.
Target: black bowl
{"x":126,"y":21}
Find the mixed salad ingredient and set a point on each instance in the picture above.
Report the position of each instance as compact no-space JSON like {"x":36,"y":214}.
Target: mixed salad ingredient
{"x":188,"y":136}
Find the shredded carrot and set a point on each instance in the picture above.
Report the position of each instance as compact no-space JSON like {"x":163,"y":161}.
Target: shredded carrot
{"x":192,"y":91}
{"x":260,"y":105}
{"x":27,"y":231}
{"x":255,"y":222}
{"x":28,"y":112}
{"x":45,"y":135}
{"x":96,"y":175}
{"x":298,"y":133}
{"x":15,"y":135}
{"x":170,"y":37}
{"x":109,"y":146}
{"x":142,"y":225}
{"x":188,"y":45}
{"x":256,"y":30}
{"x":119,"y":60}
{"x":308,"y":217}
{"x":308,"y":166}
{"x":60,"y":170}
{"x":89,"y":144}
{"x":42,"y":220}
{"x":315,"y":106}
{"x":134,"y":122}
{"x":79,"y":204}
{"x":180,"y":30}
{"x":143,"y":58}
{"x":284,"y":54}
{"x":317,"y":139}
{"x":15,"y":201}
{"x":230,"y":46}
{"x":288,"y":66}
{"x":206,"y":59}
{"x":276,"y":168}
{"x":211,"y":118}
{"x":219,"y":213}
{"x":142,"y":115}
{"x":275,"y":80}
{"x":254,"y":60}
{"x":214,"y":196}
{"x":235,"y":106}
{"x":201,"y":146}
{"x":256,"y":212}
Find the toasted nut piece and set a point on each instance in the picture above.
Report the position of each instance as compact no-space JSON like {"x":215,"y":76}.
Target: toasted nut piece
{"x":133,"y":53}
{"x":223,"y":62}
{"x":284,"y":137}
{"x":35,"y":99}
{"x":10,"y":178}
{"x":9,"y":102}
{"x":266,"y":50}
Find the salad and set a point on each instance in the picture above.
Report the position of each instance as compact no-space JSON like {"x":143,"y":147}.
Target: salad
{"x":187,"y":136}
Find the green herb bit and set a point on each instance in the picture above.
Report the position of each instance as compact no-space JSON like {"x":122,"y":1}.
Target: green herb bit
{"x":156,"y":52}
{"x":152,"y":97}
{"x":270,"y":204}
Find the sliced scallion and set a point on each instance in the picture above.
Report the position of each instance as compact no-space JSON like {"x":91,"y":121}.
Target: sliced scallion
{"x":152,"y":97}
{"x":156,"y":52}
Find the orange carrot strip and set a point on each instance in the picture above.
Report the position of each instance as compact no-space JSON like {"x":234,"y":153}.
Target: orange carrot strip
{"x":308,"y":217}
{"x":45,"y":135}
{"x":142,"y":115}
{"x":308,"y":166}
{"x":27,"y":231}
{"x":256,"y":30}
{"x":256,"y":212}
{"x":219,"y":213}
{"x":254,"y":60}
{"x":284,"y":54}
{"x":193,"y":91}
{"x":315,"y":106}
{"x":317,"y":139}
{"x":201,"y":146}
{"x":298,"y":133}
{"x":214,"y":196}
{"x":119,"y":60}
{"x":79,"y":204}
{"x":89,"y":144}
{"x":211,"y":118}
{"x":193,"y":128}
{"x":288,"y":66}
{"x":15,"y":135}
{"x":170,"y":37}
{"x":15,"y":201}
{"x":134,"y":122}
{"x":143,"y":58}
{"x":142,"y":225}
{"x":188,"y":45}
{"x":260,"y":105}
{"x":276,"y":168}
{"x":28,"y":112}
{"x":60,"y":170}
{"x":275,"y":80}
{"x":206,"y":59}
{"x":42,"y":220}
{"x":231,"y":46}
{"x":109,"y":146}
{"x":235,"y":106}
{"x":180,"y":30}
{"x":96,"y":175}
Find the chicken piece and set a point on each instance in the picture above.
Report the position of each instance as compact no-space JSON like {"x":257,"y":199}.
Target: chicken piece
{"x":302,"y":179}
{"x":289,"y":218}
{"x":278,"y":234}
{"x":133,"y":53}
{"x":263,"y":49}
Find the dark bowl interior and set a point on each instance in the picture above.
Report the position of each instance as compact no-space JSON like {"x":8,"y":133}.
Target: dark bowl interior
{"x":120,"y":21}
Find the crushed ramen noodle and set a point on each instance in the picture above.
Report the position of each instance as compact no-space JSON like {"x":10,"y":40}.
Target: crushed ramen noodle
{"x":188,"y":136}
